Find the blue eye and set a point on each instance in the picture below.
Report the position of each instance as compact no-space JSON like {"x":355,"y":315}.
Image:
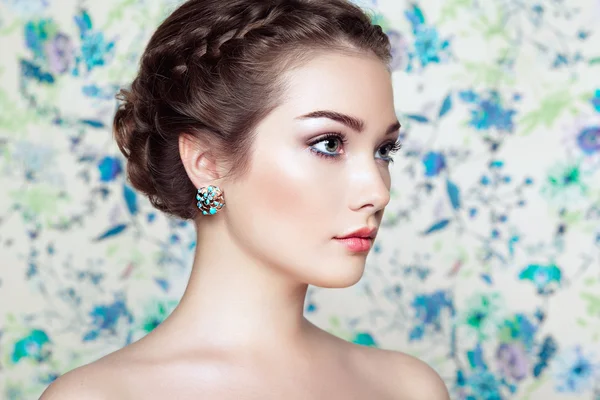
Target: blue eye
{"x":391,"y":148}
{"x":328,"y":145}
{"x":331,"y":146}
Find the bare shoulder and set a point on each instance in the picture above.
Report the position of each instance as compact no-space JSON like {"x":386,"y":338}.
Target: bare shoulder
{"x":421,"y":380}
{"x":404,"y":376}
{"x":88,"y":382}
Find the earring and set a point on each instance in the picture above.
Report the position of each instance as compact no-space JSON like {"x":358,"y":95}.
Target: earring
{"x":210,"y":200}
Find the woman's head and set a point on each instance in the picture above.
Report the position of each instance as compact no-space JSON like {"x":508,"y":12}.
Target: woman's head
{"x":239,"y":94}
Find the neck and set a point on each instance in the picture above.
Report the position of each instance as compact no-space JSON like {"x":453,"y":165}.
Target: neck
{"x":234,"y":300}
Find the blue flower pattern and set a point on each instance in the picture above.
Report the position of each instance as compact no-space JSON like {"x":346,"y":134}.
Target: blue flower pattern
{"x":489,"y":262}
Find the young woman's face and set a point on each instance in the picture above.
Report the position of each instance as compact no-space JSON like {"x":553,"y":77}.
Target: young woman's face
{"x":313,"y":178}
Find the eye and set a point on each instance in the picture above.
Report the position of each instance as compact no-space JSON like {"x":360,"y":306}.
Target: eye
{"x":329,"y":145}
{"x":389,"y":149}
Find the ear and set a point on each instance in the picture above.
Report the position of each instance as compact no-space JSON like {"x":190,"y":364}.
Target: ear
{"x":199,"y":163}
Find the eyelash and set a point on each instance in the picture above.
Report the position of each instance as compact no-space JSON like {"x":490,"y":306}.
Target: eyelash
{"x":395,"y":146}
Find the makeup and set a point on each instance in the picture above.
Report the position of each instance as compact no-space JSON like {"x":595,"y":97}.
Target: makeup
{"x":356,"y":244}
{"x":359,"y":241}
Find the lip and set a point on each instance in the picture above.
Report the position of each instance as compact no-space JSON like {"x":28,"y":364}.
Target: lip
{"x":357,"y":244}
{"x":362,"y":233}
{"x":359,"y":241}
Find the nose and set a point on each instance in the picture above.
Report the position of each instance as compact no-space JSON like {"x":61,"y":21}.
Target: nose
{"x":369,"y":188}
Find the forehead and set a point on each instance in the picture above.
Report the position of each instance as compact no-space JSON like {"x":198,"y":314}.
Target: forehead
{"x":359,"y":85}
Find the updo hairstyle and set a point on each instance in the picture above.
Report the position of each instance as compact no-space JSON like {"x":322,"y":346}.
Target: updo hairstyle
{"x":213,"y":70}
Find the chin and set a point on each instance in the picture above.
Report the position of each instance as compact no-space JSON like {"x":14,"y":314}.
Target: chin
{"x":339,"y":275}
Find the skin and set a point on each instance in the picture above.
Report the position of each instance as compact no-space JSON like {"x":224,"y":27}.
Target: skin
{"x":239,"y":330}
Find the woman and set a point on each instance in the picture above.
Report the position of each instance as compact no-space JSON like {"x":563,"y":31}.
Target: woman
{"x":271,"y":124}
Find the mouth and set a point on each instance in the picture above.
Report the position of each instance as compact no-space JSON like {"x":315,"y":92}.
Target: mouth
{"x":357,"y":244}
{"x":359,"y":241}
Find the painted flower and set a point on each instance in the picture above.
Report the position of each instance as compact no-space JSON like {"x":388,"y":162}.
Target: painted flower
{"x":484,"y":385}
{"x":95,"y":50}
{"x":512,"y":360}
{"x":110,"y":168}
{"x":581,"y":140}
{"x":37,"y":34}
{"x":489,"y":112}
{"x":434,"y":163}
{"x":105,"y":318}
{"x":59,"y":52}
{"x":428,"y":309}
{"x":428,"y":45}
{"x":518,"y":329}
{"x":34,"y":346}
{"x":588,"y":139}
{"x":575,"y":371}
{"x":483,"y":314}
{"x":545,"y":277}
{"x":565,"y":184}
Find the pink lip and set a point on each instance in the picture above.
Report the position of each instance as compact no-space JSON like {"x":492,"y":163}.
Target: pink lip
{"x":360,"y":240}
{"x":367,"y":233}
{"x":357,"y":244}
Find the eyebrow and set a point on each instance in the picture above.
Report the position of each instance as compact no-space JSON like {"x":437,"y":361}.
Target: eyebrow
{"x":353,"y":123}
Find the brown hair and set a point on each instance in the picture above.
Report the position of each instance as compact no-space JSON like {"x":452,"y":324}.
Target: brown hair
{"x":212,"y":70}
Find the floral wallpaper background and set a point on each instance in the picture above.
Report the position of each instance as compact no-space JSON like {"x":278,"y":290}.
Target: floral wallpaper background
{"x":487,"y":268}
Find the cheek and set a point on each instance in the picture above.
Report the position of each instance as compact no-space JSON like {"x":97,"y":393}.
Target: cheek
{"x":286,"y":205}
{"x":287,"y":190}
{"x":290,"y":197}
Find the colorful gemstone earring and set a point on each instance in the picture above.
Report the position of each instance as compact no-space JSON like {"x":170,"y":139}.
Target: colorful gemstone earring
{"x":210,"y":200}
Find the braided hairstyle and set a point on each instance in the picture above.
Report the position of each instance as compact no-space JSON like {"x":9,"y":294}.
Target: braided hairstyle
{"x":213,"y":70}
